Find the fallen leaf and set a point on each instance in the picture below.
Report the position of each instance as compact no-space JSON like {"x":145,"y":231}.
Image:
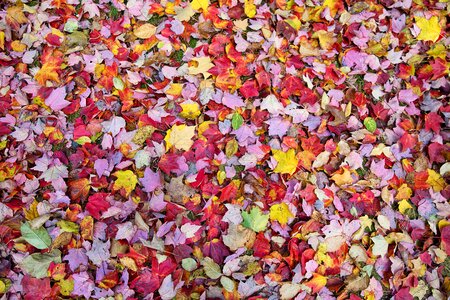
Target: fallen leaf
{"x":286,"y":161}
{"x":145,"y":31}
{"x":126,"y":180}
{"x":180,"y":137}
{"x":429,"y":28}
{"x":281,"y":213}
{"x":255,"y":220}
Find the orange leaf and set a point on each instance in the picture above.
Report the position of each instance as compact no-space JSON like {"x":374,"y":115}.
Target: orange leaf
{"x":51,"y":66}
{"x":79,"y":189}
{"x":317,"y":282}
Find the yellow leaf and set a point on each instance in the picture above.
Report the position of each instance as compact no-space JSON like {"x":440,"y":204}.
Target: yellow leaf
{"x":403,"y":206}
{"x":145,"y":31}
{"x":435,"y":181}
{"x":15,"y":14}
{"x":125,"y":179}
{"x":191,"y":110}
{"x":404,"y":192}
{"x":31,"y":213}
{"x":129,"y":263}
{"x":438,"y":50}
{"x":326,"y":39}
{"x":197,"y":4}
{"x":286,"y":161}
{"x":281,"y":213}
{"x":175,"y":89}
{"x":343,"y":179}
{"x":18,"y":46}
{"x":180,"y":137}
{"x":333,"y":5}
{"x":2,"y":40}
{"x":66,"y":287}
{"x":429,"y":29}
{"x":2,"y":287}
{"x":249,"y":8}
{"x":203,"y":64}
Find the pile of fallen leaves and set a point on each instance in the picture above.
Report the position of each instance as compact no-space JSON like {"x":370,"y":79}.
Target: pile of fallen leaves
{"x":231,"y":149}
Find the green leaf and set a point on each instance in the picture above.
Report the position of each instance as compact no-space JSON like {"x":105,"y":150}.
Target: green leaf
{"x":255,"y":220}
{"x":68,"y":226}
{"x":212,"y":269}
{"x":237,"y":121}
{"x":370,"y":124}
{"x":39,"y":237}
{"x":189,"y":264}
{"x":37,"y":264}
{"x":118,"y":83}
{"x":227,"y":283}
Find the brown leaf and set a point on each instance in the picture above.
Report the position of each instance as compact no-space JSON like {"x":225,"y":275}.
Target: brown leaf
{"x":61,"y":240}
{"x":356,"y":283}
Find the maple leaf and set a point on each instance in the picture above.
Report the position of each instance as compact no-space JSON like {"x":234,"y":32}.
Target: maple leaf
{"x":317,"y":282}
{"x":281,"y":213}
{"x":79,"y":188}
{"x":200,"y":4}
{"x":125,"y":179}
{"x":435,"y":180}
{"x":51,"y":66}
{"x":201,"y":66}
{"x":343,"y":179}
{"x":180,"y":137}
{"x":249,"y":8}
{"x":429,"y":28}
{"x":97,"y":204}
{"x":191,"y":110}
{"x":433,"y":121}
{"x":255,"y":220}
{"x":286,"y":161}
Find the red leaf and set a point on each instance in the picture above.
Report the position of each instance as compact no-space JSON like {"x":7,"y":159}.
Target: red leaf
{"x":249,"y":89}
{"x":216,"y":249}
{"x":445,"y":239}
{"x":407,"y":141}
{"x":36,"y":289}
{"x":436,"y":152}
{"x":229,"y":192}
{"x":433,"y":121}
{"x":147,"y":282}
{"x":97,"y":204}
{"x":261,"y":247}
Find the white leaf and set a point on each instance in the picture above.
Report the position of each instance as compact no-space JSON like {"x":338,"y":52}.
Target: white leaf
{"x":380,"y":246}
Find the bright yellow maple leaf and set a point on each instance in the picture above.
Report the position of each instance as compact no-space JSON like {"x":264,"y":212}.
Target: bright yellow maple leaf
{"x":126,"y":180}
{"x":191,"y":110}
{"x":281,"y":213}
{"x":180,"y":137}
{"x":203,"y":64}
{"x":249,"y":8}
{"x":429,"y":28}
{"x":197,"y":4}
{"x":435,"y":180}
{"x":286,"y":161}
